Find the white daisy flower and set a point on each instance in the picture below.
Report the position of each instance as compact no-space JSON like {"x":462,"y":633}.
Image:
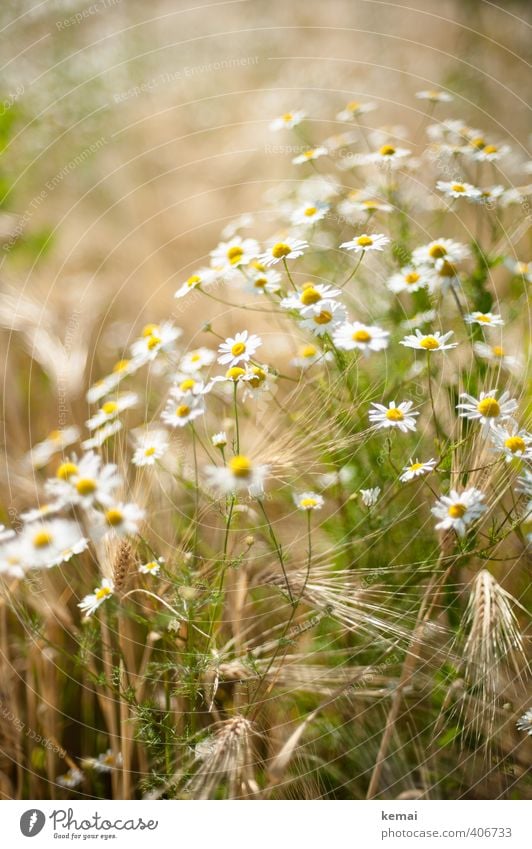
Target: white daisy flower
{"x":439,"y":251}
{"x":524,"y":723}
{"x":409,"y":279}
{"x":496,"y":355}
{"x":356,"y":336}
{"x":340,"y":140}
{"x":484,"y":319}
{"x":435,"y":341}
{"x":490,"y":152}
{"x":457,"y":511}
{"x":47,"y":543}
{"x":106,"y":385}
{"x":361,"y":202}
{"x":260,"y":382}
{"x":92,"y":483}
{"x":155,"y":338}
{"x":150,"y":447}
{"x":370,"y":496}
{"x":260,"y":279}
{"x":71,"y":779}
{"x":56,"y":441}
{"x":491,"y":195}
{"x":426,"y":317}
{"x":520,"y":268}
{"x":111,"y":408}
{"x":184,"y":384}
{"x":487,"y":409}
{"x":233,"y":254}
{"x":375,"y":242}
{"x":194,"y":361}
{"x":353,"y":109}
{"x":324,"y":318}
{"x":153,"y":567}
{"x":308,"y":501}
{"x":287,"y":249}
{"x":393,"y":416}
{"x":43,"y":512}
{"x":310,"y":295}
{"x":512,"y":442}
{"x":219,"y":440}
{"x":388,"y":155}
{"x":287,"y":121}
{"x":122,"y":519}
{"x":434,"y":96}
{"x":235,"y":374}
{"x":12,"y":557}
{"x":240,"y":473}
{"x":203,"y":277}
{"x":105,"y":762}
{"x":308,"y":155}
{"x":443,"y":276}
{"x":102,"y":435}
{"x":416,"y":469}
{"x":309,"y":355}
{"x":239,"y":348}
{"x":310,"y":213}
{"x":458,"y":190}
{"x":180,"y":412}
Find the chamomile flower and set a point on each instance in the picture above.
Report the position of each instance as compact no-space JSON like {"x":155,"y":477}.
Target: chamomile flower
{"x":260,"y":382}
{"x":365,"y":242}
{"x":260,"y":279}
{"x":324,"y":317}
{"x":153,"y":567}
{"x":309,"y":213}
{"x":92,"y":483}
{"x":12,"y":557}
{"x":443,"y":276}
{"x":111,"y":408}
{"x":194,"y":361}
{"x":105,"y":762}
{"x":459,"y":510}
{"x":362,"y":337}
{"x":496,"y":355}
{"x":310,"y":295}
{"x":239,"y":348}
{"x":512,"y":442}
{"x":520,"y":268}
{"x":56,"y":441}
{"x":310,"y":154}
{"x":416,"y":469}
{"x":489,"y":196}
{"x":187,"y":383}
{"x":309,"y":355}
{"x":360,"y":202}
{"x":490,"y":152}
{"x":151,"y":445}
{"x":487,"y":409}
{"x":219,"y":440}
{"x":434,"y":341}
{"x":308,"y":501}
{"x":455,"y":189}
{"x":434,"y":96}
{"x":370,"y":496}
{"x":101,"y":435}
{"x":439,"y":251}
{"x":51,"y":508}
{"x":287,"y":249}
{"x":387,"y":155}
{"x":524,"y":723}
{"x":122,"y":519}
{"x":154,"y":339}
{"x":47,"y":543}
{"x":233,"y":254}
{"x":203,"y":277}
{"x":233,"y":375}
{"x":287,"y":121}
{"x":121,"y":369}
{"x":181,"y":411}
{"x":353,"y":109}
{"x":409,"y":279}
{"x":71,"y":779}
{"x":484,"y":319}
{"x":394,"y":415}
{"x":91,"y":602}
{"x":240,"y":473}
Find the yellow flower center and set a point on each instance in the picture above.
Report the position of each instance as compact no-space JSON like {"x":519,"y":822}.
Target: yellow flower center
{"x":238,"y":349}
{"x":195,"y":358}
{"x":484,"y":318}
{"x":149,"y":452}
{"x":42,"y":539}
{"x":370,"y":204}
{"x":456,"y":511}
{"x":152,"y":565}
{"x":260,"y":282}
{"x":193,"y":281}
{"x":497,"y":351}
{"x":437,"y":252}
{"x":258,"y":378}
{"x":234,"y":254}
{"x":412,"y":277}
{"x":308,"y":351}
{"x":114,"y":517}
{"x":309,"y":153}
{"x":182,"y":411}
{"x":85,"y":486}
{"x":287,"y":116}
{"x":361,"y":336}
{"x":121,"y":365}
{"x":153,"y":342}
{"x":280,"y":250}
{"x":109,"y":407}
{"x":447,"y":270}
{"x":458,"y":187}
{"x":54,"y":435}
{"x":240,"y":466}
{"x":148,"y":329}
{"x":102,"y":592}
{"x":365,"y":241}
{"x":430,"y":343}
{"x":387,"y":150}
{"x":515,"y":444}
{"x":234,"y":373}
{"x":307,"y":503}
{"x":415,"y":467}
{"x":395,"y":415}
{"x":258,"y":265}
{"x":478,"y":142}
{"x":491,"y":148}
{"x":187,"y":385}
{"x":489,"y":408}
{"x":66,"y":470}
{"x":310,"y":211}
{"x":324,"y":317}
{"x":309,"y":296}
